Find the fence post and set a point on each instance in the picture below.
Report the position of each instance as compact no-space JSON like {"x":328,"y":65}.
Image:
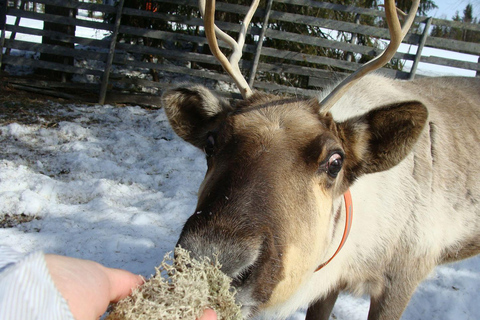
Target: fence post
{"x":478,"y":72}
{"x":111,"y":53}
{"x":3,"y":26}
{"x":258,"y":51}
{"x":349,"y":56}
{"x":12,"y":34}
{"x":421,"y":44}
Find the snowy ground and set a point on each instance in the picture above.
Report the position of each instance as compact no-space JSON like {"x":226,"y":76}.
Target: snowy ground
{"x":114,"y":184}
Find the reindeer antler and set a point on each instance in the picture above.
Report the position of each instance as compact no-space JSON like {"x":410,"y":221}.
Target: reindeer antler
{"x":397,"y":33}
{"x":212,"y":32}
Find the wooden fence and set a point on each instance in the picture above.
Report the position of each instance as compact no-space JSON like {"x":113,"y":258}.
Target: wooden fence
{"x":103,"y":61}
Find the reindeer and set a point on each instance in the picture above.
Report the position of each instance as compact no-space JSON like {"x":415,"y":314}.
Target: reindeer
{"x":391,"y":164}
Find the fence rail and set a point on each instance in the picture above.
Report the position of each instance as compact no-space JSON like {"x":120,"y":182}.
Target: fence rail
{"x":104,"y":61}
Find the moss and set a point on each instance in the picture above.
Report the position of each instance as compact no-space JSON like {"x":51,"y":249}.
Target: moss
{"x":181,"y":289}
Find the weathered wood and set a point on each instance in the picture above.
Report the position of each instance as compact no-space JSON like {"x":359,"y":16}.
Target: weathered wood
{"x":182,"y":70}
{"x":478,"y":70}
{"x":56,"y":49}
{"x":274,"y":34}
{"x":281,"y":89}
{"x":447,"y":44}
{"x":258,"y":50}
{"x":17,"y":23}
{"x":56,"y":85}
{"x":75,"y":4}
{"x":60,"y":36}
{"x":314,"y":21}
{"x":418,"y":56}
{"x":451,"y":63}
{"x":288,"y":61}
{"x":21,"y":61}
{"x":53,"y":93}
{"x":453,"y":45}
{"x":456,"y":24}
{"x":342,"y":8}
{"x":136,"y":99}
{"x":111,"y":52}
{"x":353,"y":40}
{"x":59,"y":19}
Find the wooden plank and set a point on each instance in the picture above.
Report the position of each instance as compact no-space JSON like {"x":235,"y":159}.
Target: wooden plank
{"x":320,"y":42}
{"x":478,"y":71}
{"x":17,"y":23}
{"x":111,"y":51}
{"x":168,"y":54}
{"x":338,"y":7}
{"x":263,"y":67}
{"x":53,"y":84}
{"x":274,"y":34}
{"x":56,"y":49}
{"x":282,"y":89}
{"x":136,"y":99}
{"x":318,"y":22}
{"x":183,"y":70}
{"x":453,"y":45}
{"x":289,"y":63}
{"x":342,"y":8}
{"x":258,"y":49}
{"x":466,"y":47}
{"x":21,"y":61}
{"x":281,"y":68}
{"x":60,"y":19}
{"x":301,"y":57}
{"x":281,"y":35}
{"x":451,"y":63}
{"x":60,"y":36}
{"x":162,"y":86}
{"x":420,"y":48}
{"x":48,"y":92}
{"x":338,"y":25}
{"x":456,"y":24}
{"x":75,"y":4}
{"x":347,"y":27}
{"x":377,"y":13}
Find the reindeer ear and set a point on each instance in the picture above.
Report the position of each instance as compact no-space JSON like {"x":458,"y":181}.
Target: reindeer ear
{"x":382,"y":138}
{"x":193,"y":112}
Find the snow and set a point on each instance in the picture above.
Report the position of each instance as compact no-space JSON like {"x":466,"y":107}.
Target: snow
{"x":115,"y":185}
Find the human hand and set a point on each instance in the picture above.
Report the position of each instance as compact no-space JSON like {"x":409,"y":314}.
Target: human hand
{"x":87,"y":286}
{"x":209,"y":314}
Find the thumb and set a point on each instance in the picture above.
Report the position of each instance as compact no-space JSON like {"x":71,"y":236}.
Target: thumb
{"x":122,"y":283}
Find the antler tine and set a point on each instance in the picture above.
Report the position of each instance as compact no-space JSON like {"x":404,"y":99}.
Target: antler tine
{"x":397,"y":33}
{"x":212,"y":31}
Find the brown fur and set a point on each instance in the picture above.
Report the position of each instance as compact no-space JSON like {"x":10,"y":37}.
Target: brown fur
{"x":269,"y":204}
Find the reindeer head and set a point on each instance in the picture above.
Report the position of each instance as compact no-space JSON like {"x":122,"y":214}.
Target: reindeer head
{"x":277,"y":168}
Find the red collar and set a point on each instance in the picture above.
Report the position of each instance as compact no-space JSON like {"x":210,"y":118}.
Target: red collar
{"x":348,"y":225}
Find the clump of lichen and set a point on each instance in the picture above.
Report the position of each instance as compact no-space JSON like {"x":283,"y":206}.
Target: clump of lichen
{"x":182,"y":288}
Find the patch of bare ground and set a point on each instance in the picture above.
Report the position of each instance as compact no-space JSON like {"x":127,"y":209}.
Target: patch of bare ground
{"x":13,"y":220}
{"x":25,"y":107}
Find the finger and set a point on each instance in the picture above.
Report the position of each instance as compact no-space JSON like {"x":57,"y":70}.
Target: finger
{"x":122,"y":283}
{"x":209,"y":314}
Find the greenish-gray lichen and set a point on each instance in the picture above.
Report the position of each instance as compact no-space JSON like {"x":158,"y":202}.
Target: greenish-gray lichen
{"x":182,"y":288}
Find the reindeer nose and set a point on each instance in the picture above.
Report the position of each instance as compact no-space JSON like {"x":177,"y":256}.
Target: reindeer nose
{"x":236,"y":256}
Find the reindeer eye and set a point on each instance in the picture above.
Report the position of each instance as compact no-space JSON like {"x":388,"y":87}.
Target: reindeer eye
{"x":334,"y":164}
{"x":209,"y":145}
